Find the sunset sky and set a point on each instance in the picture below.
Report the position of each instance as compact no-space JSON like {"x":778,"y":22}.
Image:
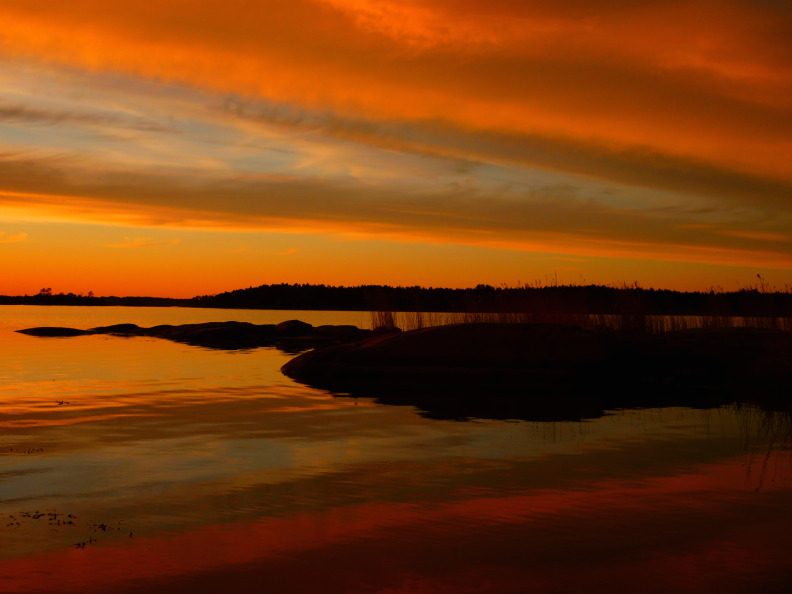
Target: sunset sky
{"x":185,"y":147}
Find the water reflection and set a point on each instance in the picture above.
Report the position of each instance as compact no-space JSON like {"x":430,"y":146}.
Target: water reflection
{"x":475,"y":526}
{"x":230,"y":476}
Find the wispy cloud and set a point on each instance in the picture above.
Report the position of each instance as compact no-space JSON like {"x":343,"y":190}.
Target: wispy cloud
{"x":719,"y":95}
{"x":16,"y":238}
{"x":288,"y":252}
{"x":567,"y":128}
{"x":441,"y":139}
{"x":560,"y":220}
{"x":760,"y":235}
{"x":142,"y":242}
{"x":20,"y":113}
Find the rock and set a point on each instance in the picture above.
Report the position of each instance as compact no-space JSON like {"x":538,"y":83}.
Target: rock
{"x":293,"y":328}
{"x":117,"y":329}
{"x":54,"y":331}
{"x":554,"y":372}
{"x":292,"y":336}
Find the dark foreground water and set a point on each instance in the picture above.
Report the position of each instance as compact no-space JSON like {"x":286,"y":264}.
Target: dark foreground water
{"x":141,"y":465}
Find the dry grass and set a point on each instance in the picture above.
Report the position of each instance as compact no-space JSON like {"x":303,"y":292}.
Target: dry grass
{"x":634,"y":323}
{"x":384,"y":319}
{"x":537,"y":305}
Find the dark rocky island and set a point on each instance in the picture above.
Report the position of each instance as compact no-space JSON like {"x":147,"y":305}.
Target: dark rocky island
{"x":552,"y":372}
{"x":291,"y":336}
{"x":519,"y":371}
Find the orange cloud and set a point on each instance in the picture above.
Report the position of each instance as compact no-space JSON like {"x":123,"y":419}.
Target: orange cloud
{"x":657,"y":130}
{"x":556,"y":222}
{"x":142,"y":242}
{"x":760,"y":235}
{"x":693,"y":81}
{"x":240,"y":249}
{"x":16,"y":238}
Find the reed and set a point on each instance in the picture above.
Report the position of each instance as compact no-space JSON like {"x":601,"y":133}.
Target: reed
{"x":383,"y":319}
{"x":627,"y":309}
{"x":630,"y":323}
{"x":634,"y":324}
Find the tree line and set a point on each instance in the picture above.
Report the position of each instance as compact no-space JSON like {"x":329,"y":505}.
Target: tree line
{"x":561,"y":299}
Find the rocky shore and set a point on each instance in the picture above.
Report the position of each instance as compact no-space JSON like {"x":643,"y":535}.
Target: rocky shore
{"x":292,"y":335}
{"x":526,"y":371}
{"x":544,"y":371}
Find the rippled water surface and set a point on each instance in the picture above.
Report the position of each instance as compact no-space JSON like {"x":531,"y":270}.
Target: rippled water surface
{"x":142,"y":465}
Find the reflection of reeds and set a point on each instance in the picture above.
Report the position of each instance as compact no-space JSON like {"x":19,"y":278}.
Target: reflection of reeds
{"x":625,"y":308}
{"x":767,"y":436}
{"x":632,"y":323}
{"x":383,"y":319}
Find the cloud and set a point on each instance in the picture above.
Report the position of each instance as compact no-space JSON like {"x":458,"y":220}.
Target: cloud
{"x":444,"y":140}
{"x":655,"y":129}
{"x":18,"y":113}
{"x":760,"y":235}
{"x":288,"y":252}
{"x":142,"y":242}
{"x":16,"y":238}
{"x":709,"y":83}
{"x":555,"y":220}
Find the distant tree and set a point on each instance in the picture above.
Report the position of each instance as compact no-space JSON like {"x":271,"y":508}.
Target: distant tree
{"x":47,"y":291}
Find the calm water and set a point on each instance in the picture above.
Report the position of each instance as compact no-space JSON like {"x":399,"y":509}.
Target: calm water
{"x":208,"y":471}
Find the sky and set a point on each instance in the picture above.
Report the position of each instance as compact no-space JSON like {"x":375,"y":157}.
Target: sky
{"x":188,"y":147}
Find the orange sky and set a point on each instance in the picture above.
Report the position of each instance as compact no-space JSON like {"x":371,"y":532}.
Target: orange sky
{"x":189,"y":147}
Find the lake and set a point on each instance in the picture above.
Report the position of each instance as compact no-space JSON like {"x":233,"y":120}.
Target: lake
{"x":143,"y":465}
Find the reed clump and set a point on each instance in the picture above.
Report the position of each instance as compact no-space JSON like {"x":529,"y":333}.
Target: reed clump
{"x":627,"y":308}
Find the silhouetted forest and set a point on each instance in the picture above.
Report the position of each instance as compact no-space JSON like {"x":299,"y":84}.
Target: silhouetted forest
{"x":552,"y":299}
{"x":47,"y":297}
{"x":562,"y":299}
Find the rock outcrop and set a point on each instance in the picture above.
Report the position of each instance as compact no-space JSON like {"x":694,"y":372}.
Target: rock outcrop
{"x":543,"y":371}
{"x":292,"y":335}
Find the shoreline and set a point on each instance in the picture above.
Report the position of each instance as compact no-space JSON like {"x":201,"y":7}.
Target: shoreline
{"x":521,"y":371}
{"x":294,"y":335}
{"x":555,"y":372}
